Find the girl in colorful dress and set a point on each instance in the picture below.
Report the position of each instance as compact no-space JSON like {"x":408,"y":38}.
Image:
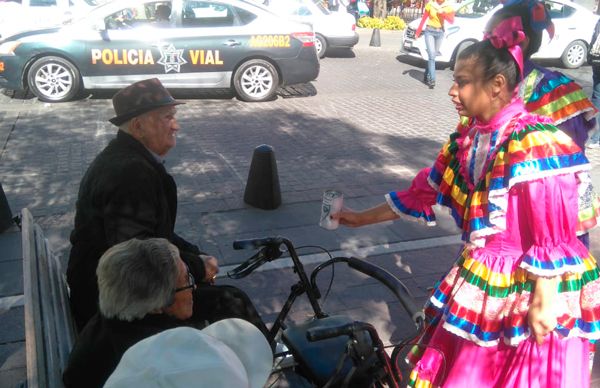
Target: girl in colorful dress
{"x":546,"y":92}
{"x":522,"y":302}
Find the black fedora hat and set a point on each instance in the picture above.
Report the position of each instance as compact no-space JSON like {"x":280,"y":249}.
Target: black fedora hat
{"x":140,"y":97}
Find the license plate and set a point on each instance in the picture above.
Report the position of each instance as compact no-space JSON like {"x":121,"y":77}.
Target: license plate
{"x":408,"y":44}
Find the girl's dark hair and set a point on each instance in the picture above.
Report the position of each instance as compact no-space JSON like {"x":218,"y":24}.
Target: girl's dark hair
{"x":493,"y":61}
{"x":520,"y":10}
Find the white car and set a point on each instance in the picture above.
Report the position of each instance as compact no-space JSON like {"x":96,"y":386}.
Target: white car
{"x":34,"y":14}
{"x":332,"y":29}
{"x":574,"y":26}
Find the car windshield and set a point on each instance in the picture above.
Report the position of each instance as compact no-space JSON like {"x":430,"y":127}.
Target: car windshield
{"x":475,"y":8}
{"x":321,"y":6}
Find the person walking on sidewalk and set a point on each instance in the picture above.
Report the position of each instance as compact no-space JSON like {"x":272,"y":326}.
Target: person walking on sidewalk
{"x":435,"y":14}
{"x":594,"y":60}
{"x":522,"y":302}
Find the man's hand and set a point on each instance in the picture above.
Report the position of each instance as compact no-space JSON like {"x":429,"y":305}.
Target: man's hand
{"x":211,"y":267}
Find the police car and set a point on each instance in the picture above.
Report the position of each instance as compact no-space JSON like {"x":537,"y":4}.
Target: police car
{"x":210,"y":44}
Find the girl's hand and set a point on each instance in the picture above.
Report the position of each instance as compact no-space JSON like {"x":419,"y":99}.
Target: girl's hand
{"x":348,"y":217}
{"x":542,"y":316}
{"x":542,"y":320}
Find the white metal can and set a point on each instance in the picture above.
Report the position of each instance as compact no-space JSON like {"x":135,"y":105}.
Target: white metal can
{"x":333,"y":201}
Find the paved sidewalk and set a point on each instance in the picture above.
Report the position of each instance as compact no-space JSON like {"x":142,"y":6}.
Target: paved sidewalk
{"x":364,"y":127}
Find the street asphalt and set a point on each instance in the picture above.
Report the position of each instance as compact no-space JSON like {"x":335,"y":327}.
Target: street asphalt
{"x":364,"y":127}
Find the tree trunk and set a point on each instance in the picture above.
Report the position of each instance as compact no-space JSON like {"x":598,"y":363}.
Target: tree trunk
{"x":379,"y":8}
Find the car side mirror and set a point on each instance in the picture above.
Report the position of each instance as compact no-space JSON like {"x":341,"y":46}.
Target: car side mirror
{"x":104,"y":35}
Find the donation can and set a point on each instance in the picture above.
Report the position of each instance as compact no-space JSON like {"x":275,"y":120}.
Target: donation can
{"x":333,"y":201}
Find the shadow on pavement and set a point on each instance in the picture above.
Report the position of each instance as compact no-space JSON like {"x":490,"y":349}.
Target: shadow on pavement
{"x":416,"y":74}
{"x":409,"y":60}
{"x":421,"y":63}
{"x":17,"y":94}
{"x":340,"y":53}
{"x":298,"y":90}
{"x":212,"y":94}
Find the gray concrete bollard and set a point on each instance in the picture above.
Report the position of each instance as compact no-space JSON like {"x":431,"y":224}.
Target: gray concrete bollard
{"x":262,"y":188}
{"x":375,"y":38}
{"x":6,"y":218}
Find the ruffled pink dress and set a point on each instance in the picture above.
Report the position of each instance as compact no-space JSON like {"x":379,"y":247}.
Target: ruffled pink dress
{"x":518,"y":188}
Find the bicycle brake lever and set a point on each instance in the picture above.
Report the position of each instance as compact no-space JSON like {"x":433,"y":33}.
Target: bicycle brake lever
{"x":244,"y":269}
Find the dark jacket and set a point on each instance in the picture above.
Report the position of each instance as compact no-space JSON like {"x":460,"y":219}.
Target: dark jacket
{"x":102,"y":343}
{"x":125,"y":193}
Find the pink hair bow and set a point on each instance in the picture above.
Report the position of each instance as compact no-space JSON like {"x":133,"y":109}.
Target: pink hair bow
{"x":509,"y":34}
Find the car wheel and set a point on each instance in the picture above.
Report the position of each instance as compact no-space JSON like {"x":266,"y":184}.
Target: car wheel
{"x":574,"y":55}
{"x":53,"y":79}
{"x":256,"y":80}
{"x":460,"y":49}
{"x":320,"y":45}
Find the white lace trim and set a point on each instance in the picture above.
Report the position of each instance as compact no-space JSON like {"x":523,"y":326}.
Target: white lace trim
{"x":514,"y":341}
{"x":468,"y":336}
{"x":588,"y":115}
{"x":405,"y":216}
{"x":551,"y":272}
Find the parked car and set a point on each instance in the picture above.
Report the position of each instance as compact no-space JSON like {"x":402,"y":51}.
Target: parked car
{"x":573,"y":23}
{"x":203,"y":44}
{"x":332,"y":29}
{"x":22,"y":15}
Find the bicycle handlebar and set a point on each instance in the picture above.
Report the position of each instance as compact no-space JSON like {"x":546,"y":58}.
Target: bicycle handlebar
{"x":390,"y":281}
{"x":321,"y":333}
{"x":269,"y":250}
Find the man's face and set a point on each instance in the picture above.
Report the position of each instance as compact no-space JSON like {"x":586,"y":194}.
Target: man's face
{"x":183,"y":304}
{"x":157,"y":129}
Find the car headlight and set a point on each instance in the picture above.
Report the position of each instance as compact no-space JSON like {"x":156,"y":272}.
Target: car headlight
{"x":8,"y":48}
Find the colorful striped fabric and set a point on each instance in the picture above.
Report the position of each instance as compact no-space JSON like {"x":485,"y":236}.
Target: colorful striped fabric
{"x":536,"y":151}
{"x":555,"y":95}
{"x":491,"y":306}
{"x":485,"y":297}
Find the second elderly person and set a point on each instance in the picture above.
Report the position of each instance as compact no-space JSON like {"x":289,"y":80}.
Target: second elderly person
{"x":145,"y":288}
{"x":127,"y":193}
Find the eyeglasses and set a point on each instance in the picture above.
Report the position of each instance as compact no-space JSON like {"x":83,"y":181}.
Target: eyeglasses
{"x":191,"y":282}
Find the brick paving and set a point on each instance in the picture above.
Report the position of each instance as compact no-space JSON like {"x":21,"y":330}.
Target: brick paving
{"x":364,"y":127}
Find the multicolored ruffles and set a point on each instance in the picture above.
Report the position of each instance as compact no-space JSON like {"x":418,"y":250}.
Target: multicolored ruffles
{"x":554,"y":95}
{"x":484,"y":300}
{"x":534,"y":151}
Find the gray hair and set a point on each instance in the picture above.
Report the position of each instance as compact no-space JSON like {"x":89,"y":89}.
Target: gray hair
{"x":137,"y":277}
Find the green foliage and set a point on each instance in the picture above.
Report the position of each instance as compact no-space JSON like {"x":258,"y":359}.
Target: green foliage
{"x":389,"y":23}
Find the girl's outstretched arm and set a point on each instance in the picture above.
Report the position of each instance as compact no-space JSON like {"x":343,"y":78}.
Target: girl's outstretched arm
{"x":379,"y":213}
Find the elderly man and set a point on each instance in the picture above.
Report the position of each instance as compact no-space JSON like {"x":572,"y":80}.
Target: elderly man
{"x":145,"y":288}
{"x":127,"y":193}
